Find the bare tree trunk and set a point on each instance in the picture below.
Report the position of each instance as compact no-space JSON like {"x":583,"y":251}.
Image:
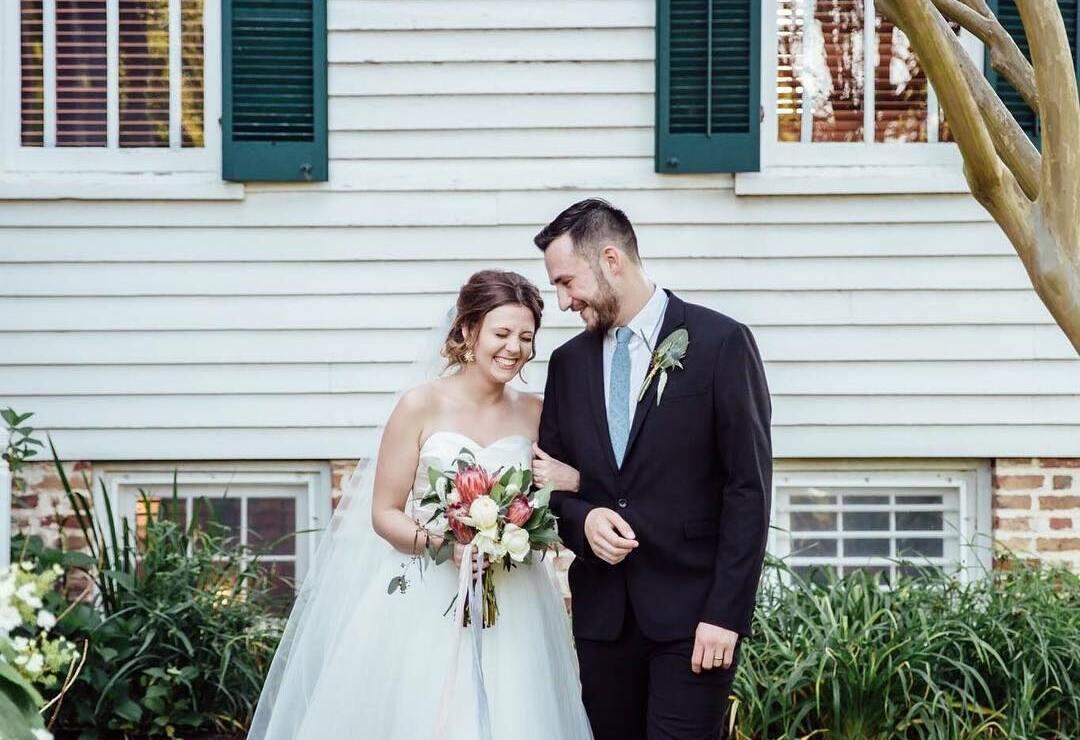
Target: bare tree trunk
{"x":1034,"y":198}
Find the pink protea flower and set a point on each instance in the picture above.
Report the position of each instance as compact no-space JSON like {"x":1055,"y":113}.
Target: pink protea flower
{"x":519,"y":511}
{"x":462,"y":532}
{"x":471,"y":482}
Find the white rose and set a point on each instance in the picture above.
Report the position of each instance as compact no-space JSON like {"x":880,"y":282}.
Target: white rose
{"x":46,"y":620}
{"x":484,"y":512}
{"x":40,"y":734}
{"x":486,"y":541}
{"x":516,"y":541}
{"x":9,"y":619}
{"x":21,"y":644}
{"x":36,"y":663}
{"x":26,"y":593}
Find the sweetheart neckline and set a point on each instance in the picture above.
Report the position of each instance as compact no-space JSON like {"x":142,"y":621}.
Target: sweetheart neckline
{"x":466,"y":437}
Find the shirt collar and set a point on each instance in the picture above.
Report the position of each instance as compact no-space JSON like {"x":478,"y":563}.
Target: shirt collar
{"x":647,"y":321}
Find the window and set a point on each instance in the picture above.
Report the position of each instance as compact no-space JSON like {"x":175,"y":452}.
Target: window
{"x":259,"y":505}
{"x":113,"y":85}
{"x":225,"y":89}
{"x":844,"y":87}
{"x":888,"y":521}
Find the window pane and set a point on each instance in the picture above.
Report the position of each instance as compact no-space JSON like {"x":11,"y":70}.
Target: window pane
{"x":33,"y":74}
{"x":866,"y":520}
{"x":906,"y":520}
{"x":80,"y":73}
{"x":820,"y":59}
{"x":881,"y":500}
{"x":866,"y":547}
{"x":814,"y":548}
{"x":222,"y":512}
{"x":270,"y":519}
{"x":900,"y":88}
{"x":813,"y":521}
{"x":144,"y":73}
{"x":914,"y":548}
{"x":191,"y":62}
{"x":282,"y":581}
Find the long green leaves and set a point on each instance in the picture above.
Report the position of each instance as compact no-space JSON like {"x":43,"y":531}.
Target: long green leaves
{"x":929,"y":657}
{"x":183,"y":626}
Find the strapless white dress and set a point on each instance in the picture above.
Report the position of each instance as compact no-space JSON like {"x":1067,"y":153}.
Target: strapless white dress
{"x":387,"y":673}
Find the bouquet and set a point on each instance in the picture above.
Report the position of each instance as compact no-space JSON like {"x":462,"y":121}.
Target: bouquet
{"x":498,"y":513}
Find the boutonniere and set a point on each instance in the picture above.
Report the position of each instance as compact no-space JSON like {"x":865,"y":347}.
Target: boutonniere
{"x":668,"y":356}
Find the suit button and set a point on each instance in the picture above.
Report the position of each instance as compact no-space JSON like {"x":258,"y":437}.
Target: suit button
{"x":623,"y":503}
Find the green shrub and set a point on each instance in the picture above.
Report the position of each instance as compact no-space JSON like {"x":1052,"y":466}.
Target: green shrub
{"x":182,"y":628}
{"x":930,"y":657}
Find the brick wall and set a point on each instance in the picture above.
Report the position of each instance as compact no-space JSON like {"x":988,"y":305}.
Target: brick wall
{"x":43,"y":508}
{"x":1037,"y":508}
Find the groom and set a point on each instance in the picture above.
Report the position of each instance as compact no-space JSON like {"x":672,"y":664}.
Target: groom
{"x":670,"y":521}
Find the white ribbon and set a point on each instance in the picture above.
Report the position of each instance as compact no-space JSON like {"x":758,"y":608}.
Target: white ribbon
{"x":470,"y":590}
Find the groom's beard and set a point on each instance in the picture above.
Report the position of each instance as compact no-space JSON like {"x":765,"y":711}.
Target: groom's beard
{"x":604,"y":307}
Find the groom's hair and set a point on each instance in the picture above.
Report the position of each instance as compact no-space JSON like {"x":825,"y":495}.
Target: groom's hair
{"x":592,"y":223}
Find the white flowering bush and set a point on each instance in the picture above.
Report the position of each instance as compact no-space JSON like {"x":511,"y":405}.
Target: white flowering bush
{"x":26,"y":626}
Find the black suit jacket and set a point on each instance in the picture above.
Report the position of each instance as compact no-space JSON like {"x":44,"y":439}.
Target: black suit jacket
{"x":695,"y":483}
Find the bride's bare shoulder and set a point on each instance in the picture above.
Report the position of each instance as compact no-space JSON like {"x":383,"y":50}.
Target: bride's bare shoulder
{"x":530,"y":404}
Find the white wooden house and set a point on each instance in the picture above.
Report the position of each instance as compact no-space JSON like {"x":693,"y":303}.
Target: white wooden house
{"x":217,"y":249}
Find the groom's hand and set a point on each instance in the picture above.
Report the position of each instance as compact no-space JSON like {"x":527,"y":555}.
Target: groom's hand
{"x":609,"y":536}
{"x":714,"y":647}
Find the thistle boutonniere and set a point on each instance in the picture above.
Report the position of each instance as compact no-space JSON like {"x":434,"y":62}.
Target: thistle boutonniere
{"x":666,"y":357}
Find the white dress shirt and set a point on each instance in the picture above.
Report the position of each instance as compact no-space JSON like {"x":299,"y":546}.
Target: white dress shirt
{"x":646,"y":327}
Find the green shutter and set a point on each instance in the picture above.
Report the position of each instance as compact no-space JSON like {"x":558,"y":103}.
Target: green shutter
{"x":1010,"y":18}
{"x":274,"y":90}
{"x":708,"y":85}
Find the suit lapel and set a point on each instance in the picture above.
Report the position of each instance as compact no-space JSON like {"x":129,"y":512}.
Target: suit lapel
{"x":598,"y":396}
{"x":674,"y":317}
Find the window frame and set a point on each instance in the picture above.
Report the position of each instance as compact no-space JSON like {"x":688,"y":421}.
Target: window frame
{"x":313,"y":507}
{"x":16,"y":158}
{"x":972,"y":479}
{"x":793,"y":155}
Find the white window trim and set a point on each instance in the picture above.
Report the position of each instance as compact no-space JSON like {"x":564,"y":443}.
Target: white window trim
{"x":972,"y":478}
{"x":38,"y":173}
{"x":316,"y":503}
{"x":808,"y":168}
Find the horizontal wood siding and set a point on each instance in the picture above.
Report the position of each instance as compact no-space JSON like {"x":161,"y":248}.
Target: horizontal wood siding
{"x":276,"y":326}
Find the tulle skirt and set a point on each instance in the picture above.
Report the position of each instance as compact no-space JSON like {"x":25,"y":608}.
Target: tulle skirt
{"x":386,"y":674}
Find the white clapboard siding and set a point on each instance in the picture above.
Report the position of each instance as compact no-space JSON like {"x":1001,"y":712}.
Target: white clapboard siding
{"x":532,"y":45}
{"x":792,"y":378}
{"x":279,"y":325}
{"x":824,"y":441}
{"x":278,"y":278}
{"x":423,"y":243}
{"x":440,"y":144}
{"x":270,"y":206}
{"x":370,"y":409}
{"x":961,"y":342}
{"x":379,"y":15}
{"x":411,"y":311}
{"x":499,"y":78}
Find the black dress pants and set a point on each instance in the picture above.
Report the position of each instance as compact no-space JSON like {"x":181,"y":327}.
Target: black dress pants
{"x":637,"y":689}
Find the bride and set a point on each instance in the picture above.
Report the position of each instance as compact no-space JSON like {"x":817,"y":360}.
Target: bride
{"x":357,"y":662}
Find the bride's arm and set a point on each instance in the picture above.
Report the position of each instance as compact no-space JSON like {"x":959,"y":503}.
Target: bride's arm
{"x":395,"y":471}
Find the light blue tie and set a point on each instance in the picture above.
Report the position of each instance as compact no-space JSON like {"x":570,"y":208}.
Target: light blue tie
{"x":618,"y":412}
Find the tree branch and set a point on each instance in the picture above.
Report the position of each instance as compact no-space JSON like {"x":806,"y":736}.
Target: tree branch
{"x":929,"y":35}
{"x":1005,"y":56}
{"x":1011,"y":143}
{"x":1056,"y":268}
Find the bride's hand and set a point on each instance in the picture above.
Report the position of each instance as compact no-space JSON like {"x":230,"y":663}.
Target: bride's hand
{"x":547,"y":469}
{"x":480,"y":561}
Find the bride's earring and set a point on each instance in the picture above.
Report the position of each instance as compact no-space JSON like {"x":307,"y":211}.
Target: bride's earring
{"x":468,"y":357}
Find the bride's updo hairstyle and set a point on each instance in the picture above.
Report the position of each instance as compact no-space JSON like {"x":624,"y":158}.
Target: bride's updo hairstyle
{"x":484,"y":292}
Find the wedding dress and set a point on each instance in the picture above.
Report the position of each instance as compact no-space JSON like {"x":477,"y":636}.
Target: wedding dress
{"x":385,"y":666}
